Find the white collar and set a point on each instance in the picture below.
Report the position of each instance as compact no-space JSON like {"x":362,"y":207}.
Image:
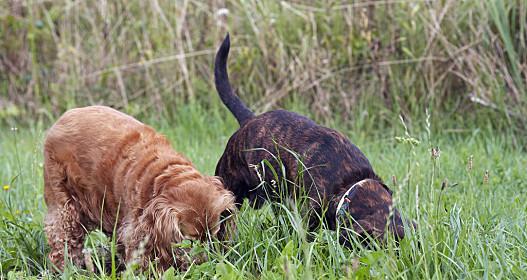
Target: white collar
{"x":345,"y":196}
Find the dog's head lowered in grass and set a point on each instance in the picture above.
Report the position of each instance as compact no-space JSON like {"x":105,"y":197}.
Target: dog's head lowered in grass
{"x":189,"y":208}
{"x":103,"y":168}
{"x":362,"y":212}
{"x":195,"y":204}
{"x":181,"y":209}
{"x":186,"y":209}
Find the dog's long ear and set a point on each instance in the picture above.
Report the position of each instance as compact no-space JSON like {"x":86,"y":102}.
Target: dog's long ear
{"x":154,"y":232}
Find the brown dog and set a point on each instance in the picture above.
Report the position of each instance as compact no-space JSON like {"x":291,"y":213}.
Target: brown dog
{"x":103,"y":168}
{"x":334,"y":173}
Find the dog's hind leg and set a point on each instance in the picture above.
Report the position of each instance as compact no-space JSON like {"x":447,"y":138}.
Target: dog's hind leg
{"x":62,"y":224}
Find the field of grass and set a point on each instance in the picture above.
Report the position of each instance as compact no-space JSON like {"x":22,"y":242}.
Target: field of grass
{"x":469,"y":204}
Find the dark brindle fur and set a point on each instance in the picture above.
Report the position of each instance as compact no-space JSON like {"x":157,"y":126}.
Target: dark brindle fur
{"x":334,"y":163}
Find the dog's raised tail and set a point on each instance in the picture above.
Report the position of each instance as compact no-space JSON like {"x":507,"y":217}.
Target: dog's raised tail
{"x":240,"y":111}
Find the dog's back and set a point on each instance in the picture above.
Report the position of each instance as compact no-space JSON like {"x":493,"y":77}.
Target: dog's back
{"x":102,"y":153}
{"x":322,"y":157}
{"x":96,"y":128}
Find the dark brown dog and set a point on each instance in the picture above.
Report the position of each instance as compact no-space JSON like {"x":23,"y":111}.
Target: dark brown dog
{"x":331,"y":165}
{"x":104,"y":169}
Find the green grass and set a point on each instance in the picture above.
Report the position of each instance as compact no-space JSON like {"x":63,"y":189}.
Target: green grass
{"x":474,"y":228}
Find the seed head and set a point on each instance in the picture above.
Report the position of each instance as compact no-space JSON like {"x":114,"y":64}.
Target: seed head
{"x":486,"y":177}
{"x":436,"y":153}
{"x":470,"y":163}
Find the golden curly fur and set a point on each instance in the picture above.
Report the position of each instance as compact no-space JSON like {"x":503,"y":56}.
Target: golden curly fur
{"x":104,"y":169}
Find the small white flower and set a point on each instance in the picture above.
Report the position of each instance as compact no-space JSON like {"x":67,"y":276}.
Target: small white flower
{"x":222,"y":12}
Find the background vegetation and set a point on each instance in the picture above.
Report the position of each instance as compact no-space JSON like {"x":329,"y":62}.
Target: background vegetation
{"x":399,"y":77}
{"x":363,"y":61}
